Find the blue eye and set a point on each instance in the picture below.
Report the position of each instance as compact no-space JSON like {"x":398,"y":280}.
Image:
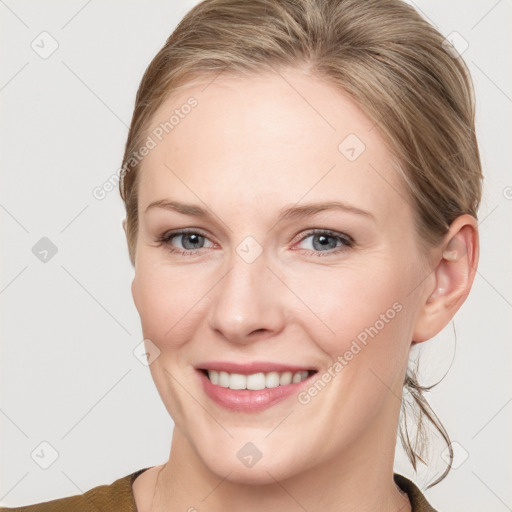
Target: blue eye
{"x":321,"y":242}
{"x":325,"y":241}
{"x":191,"y":241}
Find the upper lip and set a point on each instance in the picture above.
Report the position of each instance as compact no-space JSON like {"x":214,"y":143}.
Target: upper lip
{"x":252,"y":367}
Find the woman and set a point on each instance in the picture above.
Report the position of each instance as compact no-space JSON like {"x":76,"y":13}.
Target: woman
{"x":301,"y":181}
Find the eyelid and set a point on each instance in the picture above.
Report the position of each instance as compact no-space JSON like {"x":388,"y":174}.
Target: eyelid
{"x":166,"y":238}
{"x":348,"y":241}
{"x":321,"y":231}
{"x":184,"y":231}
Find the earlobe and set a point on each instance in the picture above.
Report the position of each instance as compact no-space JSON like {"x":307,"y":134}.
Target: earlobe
{"x":452,"y":278}
{"x":124,"y":226}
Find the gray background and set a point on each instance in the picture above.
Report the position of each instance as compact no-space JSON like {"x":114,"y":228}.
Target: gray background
{"x":69,"y":376}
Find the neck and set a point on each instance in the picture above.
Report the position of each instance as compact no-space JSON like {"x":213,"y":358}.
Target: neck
{"x":356,"y":480}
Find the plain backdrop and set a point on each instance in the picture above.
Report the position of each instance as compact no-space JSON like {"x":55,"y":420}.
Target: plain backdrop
{"x":74,"y":396}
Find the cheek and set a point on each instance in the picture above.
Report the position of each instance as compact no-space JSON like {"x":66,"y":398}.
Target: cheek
{"x":365,"y":329}
{"x":370,"y":324}
{"x":168,"y":302}
{"x":353,"y":304}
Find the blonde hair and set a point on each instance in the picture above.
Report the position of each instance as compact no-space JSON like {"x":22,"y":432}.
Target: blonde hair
{"x":381,"y":53}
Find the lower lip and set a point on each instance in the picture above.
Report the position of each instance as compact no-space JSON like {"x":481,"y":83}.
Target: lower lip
{"x":248,"y":400}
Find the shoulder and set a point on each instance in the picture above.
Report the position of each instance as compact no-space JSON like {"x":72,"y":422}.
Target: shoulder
{"x":116,"y":496}
{"x":418,"y":502}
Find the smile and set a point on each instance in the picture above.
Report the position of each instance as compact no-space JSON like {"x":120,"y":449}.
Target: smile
{"x":251,"y":387}
{"x":256,"y":381}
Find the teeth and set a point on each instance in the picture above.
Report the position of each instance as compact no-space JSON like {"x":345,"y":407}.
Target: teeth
{"x":256,"y":381}
{"x":286,"y":378}
{"x":272,"y":380}
{"x":214,"y":376}
{"x":237,"y":381}
{"x":223,"y":379}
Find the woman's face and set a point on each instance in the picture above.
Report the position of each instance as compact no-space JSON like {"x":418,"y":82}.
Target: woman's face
{"x":300,"y":255}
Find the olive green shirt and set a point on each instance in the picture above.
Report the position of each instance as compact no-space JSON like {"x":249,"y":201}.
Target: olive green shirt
{"x":118,"y":496}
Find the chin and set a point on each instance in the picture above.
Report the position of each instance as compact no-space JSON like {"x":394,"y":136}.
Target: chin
{"x":259,"y":474}
{"x":251,"y":465}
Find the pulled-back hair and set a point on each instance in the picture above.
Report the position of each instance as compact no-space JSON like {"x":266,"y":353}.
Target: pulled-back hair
{"x":393,"y":64}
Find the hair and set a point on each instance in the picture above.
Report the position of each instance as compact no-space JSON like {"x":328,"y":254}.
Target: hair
{"x":381,"y":53}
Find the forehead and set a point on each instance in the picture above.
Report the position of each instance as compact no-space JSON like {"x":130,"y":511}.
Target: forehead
{"x":272,"y":139}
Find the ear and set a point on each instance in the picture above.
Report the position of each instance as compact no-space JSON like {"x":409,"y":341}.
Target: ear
{"x":124,"y":226}
{"x":456,"y":260}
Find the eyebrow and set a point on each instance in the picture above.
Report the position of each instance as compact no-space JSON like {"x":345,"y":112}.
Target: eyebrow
{"x":286,"y":213}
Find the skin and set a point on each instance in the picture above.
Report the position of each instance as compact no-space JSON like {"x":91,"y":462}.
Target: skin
{"x":250,"y":148}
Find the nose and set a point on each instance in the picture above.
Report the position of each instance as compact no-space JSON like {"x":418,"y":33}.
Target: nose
{"x":248,"y":303}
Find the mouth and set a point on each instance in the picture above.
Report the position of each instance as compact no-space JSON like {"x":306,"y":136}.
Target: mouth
{"x":255,"y":381}
{"x":251,"y":387}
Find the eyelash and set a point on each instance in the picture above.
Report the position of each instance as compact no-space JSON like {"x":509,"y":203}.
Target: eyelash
{"x":347,"y":241}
